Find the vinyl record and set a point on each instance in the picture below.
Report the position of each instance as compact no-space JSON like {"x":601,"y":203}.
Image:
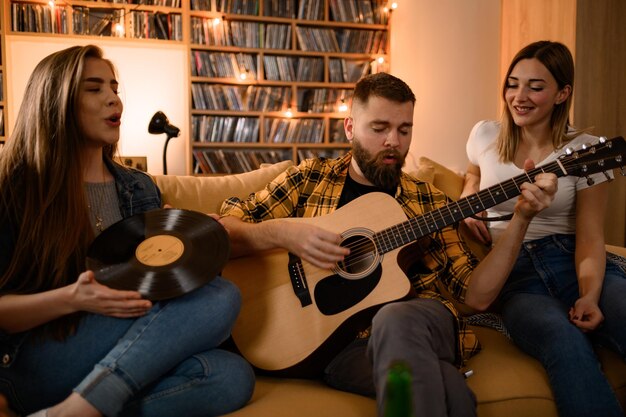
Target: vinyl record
{"x":160,"y":253}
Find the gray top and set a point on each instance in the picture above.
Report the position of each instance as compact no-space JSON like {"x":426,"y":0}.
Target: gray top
{"x":103,"y":203}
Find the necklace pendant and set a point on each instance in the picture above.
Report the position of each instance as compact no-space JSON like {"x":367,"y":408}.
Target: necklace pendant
{"x":99,"y":223}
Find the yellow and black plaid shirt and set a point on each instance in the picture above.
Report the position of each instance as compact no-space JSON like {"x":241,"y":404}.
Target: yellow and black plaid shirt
{"x":313,"y":188}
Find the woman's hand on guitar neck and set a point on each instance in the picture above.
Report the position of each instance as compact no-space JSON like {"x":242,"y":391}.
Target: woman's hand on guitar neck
{"x":537,"y":196}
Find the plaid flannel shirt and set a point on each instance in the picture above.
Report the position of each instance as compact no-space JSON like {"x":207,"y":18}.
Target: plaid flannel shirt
{"x":313,"y":188}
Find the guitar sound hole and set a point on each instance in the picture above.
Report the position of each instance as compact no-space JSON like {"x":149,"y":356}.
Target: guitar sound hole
{"x":362,"y":255}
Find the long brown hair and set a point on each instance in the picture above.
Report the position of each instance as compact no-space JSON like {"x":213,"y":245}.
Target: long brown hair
{"x":557,"y":58}
{"x":41,"y":181}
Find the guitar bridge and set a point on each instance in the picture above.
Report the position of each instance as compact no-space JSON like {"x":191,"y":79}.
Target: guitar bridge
{"x":298,"y":280}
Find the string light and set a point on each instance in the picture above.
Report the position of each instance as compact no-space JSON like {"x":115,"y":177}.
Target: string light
{"x":217,"y":21}
{"x":381,"y":59}
{"x":243,"y":75}
{"x":51,"y":4}
{"x":118,"y":28}
{"x":288,"y":113}
{"x":394,"y":5}
{"x":343,"y":106}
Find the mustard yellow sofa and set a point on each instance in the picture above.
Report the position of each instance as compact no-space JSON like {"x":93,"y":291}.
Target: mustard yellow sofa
{"x":506,"y":381}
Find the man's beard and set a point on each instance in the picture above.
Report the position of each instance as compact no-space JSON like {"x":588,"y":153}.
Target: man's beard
{"x":382,"y":175}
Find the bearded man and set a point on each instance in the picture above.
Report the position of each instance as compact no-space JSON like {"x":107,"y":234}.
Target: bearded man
{"x":425,"y":331}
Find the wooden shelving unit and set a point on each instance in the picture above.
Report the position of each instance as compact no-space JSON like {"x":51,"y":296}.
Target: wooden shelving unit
{"x":269,"y":79}
{"x":156,"y":19}
{"x":273,"y":81}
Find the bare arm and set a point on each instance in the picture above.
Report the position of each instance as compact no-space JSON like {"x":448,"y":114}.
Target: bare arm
{"x":590,"y":255}
{"x":312,"y":243}
{"x":492,"y":272}
{"x":471,"y":185}
{"x":24,"y":312}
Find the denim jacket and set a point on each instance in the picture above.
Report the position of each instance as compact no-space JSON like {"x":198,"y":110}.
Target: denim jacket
{"x":137,"y":193}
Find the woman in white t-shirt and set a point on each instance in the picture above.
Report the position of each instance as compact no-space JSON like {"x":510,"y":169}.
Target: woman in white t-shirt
{"x":562,"y":295}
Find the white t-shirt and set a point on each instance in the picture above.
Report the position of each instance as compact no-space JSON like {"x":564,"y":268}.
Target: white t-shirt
{"x":560,"y":217}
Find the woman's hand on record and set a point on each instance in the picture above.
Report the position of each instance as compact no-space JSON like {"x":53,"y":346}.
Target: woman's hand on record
{"x":89,"y":295}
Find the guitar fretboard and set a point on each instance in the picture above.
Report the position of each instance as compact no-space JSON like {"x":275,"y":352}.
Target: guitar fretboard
{"x":401,"y":234}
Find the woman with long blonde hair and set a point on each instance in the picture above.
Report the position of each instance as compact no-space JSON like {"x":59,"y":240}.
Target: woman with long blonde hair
{"x":563,"y":294}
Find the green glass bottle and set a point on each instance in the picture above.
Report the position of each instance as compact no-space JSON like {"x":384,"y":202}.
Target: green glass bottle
{"x":398,"y":397}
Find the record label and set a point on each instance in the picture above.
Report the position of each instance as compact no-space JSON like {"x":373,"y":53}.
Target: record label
{"x":160,"y":250}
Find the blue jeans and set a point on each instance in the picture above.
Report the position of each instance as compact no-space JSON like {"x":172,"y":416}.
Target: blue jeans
{"x":536,"y":299}
{"x":162,"y":364}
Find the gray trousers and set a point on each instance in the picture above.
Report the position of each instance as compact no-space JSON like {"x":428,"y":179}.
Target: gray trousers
{"x":421,"y":333}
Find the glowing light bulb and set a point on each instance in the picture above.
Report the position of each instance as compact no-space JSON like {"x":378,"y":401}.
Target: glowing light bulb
{"x":380,"y":59}
{"x":394,"y":5}
{"x":385,"y":9}
{"x":119,"y":29}
{"x":243,"y":75}
{"x":288,"y":113}
{"x":217,"y":21}
{"x":51,"y":3}
{"x":343,"y":106}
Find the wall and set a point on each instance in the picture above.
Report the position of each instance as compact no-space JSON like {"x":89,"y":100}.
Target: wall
{"x":153,"y":76}
{"x":448,"y":52}
{"x":526,"y":21}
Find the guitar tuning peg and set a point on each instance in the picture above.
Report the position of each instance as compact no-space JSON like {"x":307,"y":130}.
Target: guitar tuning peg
{"x":590,"y":181}
{"x":569,"y":151}
{"x":586,"y":146}
{"x":608,"y":177}
{"x":622,"y":171}
{"x":602,"y":139}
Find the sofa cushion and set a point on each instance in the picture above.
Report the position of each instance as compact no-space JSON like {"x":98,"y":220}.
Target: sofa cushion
{"x":206,"y":194}
{"x":446,"y":180}
{"x":277,"y":397}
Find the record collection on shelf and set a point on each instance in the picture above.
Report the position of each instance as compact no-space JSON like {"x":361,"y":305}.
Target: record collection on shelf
{"x":134,"y":19}
{"x":269,"y":79}
{"x":273,"y":79}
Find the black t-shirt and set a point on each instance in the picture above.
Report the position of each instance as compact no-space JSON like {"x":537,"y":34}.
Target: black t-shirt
{"x":352,"y":190}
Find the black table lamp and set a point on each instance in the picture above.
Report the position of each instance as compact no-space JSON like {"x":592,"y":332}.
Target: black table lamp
{"x":159,"y":124}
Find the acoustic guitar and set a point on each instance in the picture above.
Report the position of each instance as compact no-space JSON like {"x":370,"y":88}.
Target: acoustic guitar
{"x":294,"y":313}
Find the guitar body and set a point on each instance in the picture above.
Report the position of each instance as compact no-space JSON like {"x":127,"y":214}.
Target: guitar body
{"x":274,"y":331}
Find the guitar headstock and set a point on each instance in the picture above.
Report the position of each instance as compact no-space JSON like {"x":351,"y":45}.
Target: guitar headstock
{"x":603,"y":156}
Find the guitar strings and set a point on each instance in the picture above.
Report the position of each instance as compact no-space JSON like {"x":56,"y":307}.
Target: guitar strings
{"x":361,"y":248}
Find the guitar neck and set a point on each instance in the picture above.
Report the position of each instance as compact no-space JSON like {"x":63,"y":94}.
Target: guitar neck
{"x":432,"y":221}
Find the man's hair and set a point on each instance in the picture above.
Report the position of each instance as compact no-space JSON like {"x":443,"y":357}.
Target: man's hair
{"x":383,"y":85}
